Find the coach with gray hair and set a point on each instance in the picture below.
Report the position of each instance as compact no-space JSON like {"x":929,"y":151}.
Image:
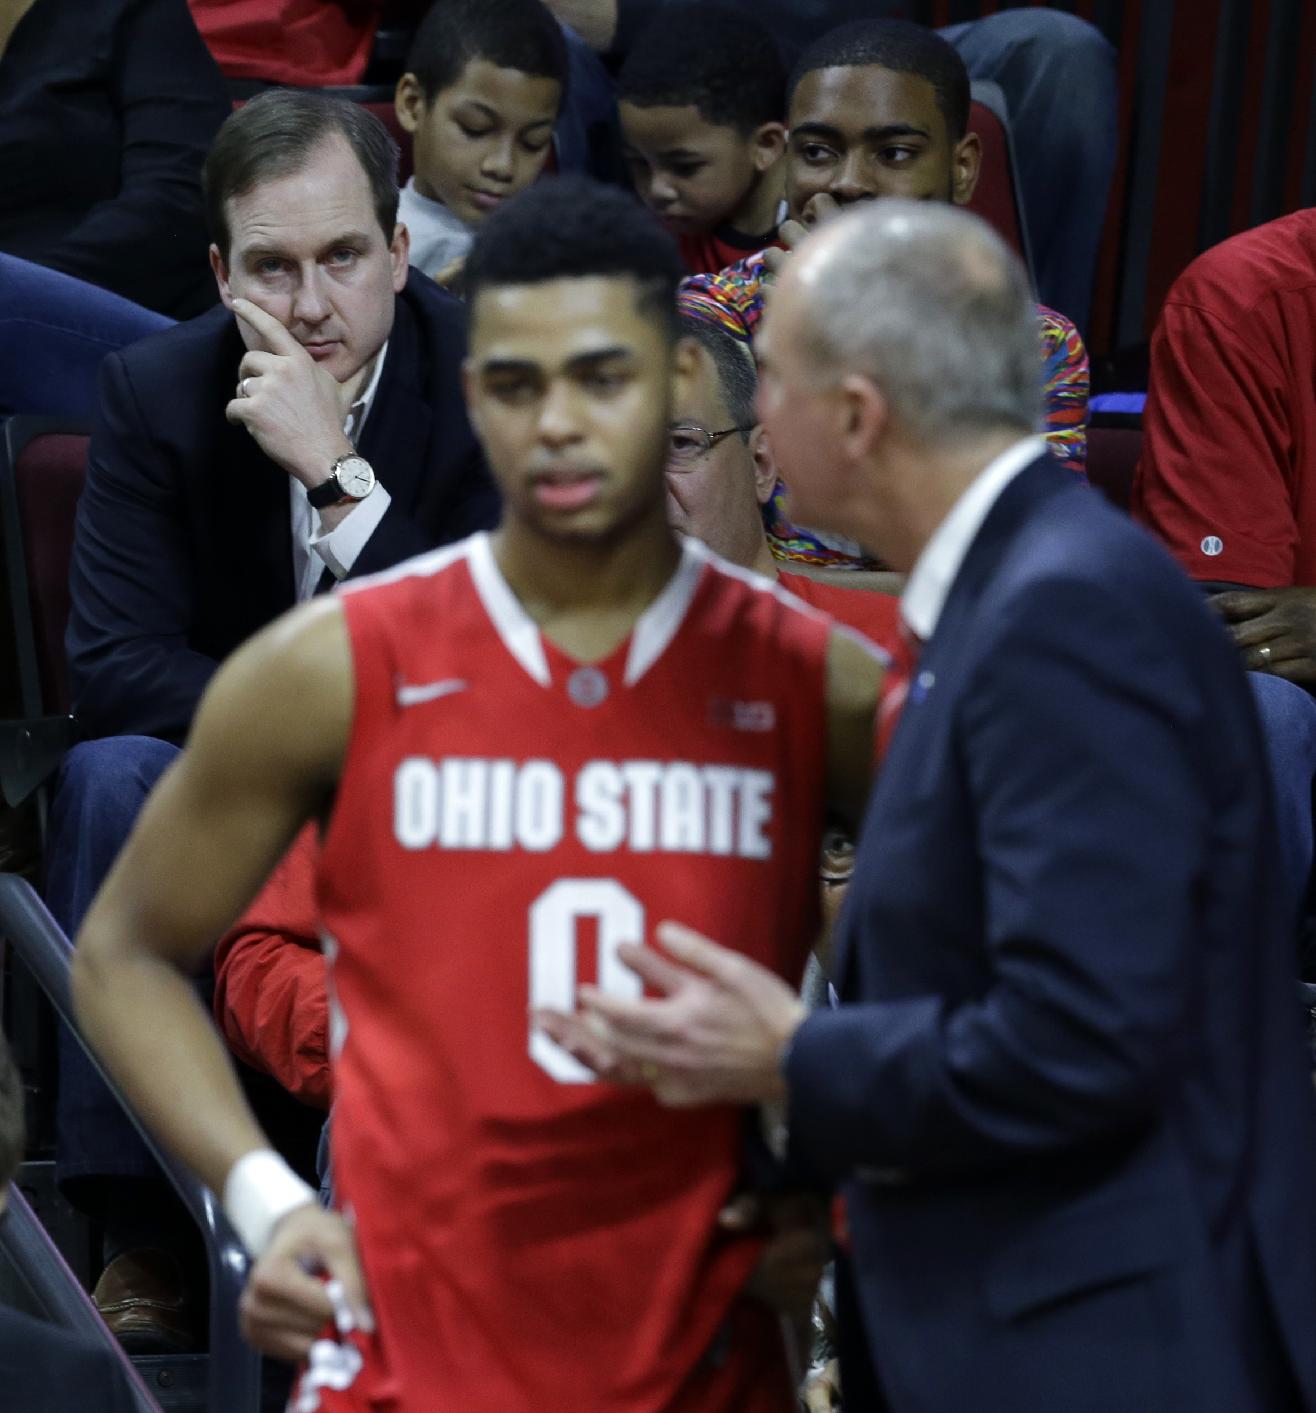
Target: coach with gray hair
{"x":309,"y":430}
{"x":1064,"y":1094}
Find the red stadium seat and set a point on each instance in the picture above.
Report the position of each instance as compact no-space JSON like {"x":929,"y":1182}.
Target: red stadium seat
{"x":1113,"y":453}
{"x":996,"y":198}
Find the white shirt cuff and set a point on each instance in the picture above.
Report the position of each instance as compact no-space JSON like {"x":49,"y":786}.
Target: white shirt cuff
{"x":260,"y":1190}
{"x":340,"y":547}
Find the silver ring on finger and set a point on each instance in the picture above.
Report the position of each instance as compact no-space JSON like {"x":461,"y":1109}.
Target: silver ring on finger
{"x":1264,"y":653}
{"x":242,"y":388}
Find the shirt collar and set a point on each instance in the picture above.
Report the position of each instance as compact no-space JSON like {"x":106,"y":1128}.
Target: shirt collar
{"x":360,"y":409}
{"x":935,"y":569}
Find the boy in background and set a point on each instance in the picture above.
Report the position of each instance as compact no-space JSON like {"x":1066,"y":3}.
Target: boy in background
{"x":484,"y":84}
{"x":702,"y":98}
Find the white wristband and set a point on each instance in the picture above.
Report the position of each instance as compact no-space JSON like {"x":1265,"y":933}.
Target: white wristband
{"x":260,"y":1190}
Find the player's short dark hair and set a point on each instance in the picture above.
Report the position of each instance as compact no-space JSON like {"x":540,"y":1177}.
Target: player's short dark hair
{"x":737,"y":377}
{"x":275,"y":133}
{"x":570,"y":227}
{"x":12,"y":1132}
{"x":510,"y":34}
{"x":902,"y":47}
{"x":720,"y":61}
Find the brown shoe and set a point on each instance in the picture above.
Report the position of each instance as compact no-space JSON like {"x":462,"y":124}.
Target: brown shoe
{"x":143,"y":1301}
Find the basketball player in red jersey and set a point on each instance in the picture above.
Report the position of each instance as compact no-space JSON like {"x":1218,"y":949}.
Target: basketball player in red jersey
{"x":524,"y":750}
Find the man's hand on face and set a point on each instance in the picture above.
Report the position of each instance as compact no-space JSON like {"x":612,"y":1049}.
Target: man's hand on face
{"x":792,"y":233}
{"x":290,"y":405}
{"x":285,"y":1308}
{"x":1275,"y":628}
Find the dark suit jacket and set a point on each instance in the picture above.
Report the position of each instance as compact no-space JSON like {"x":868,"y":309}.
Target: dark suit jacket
{"x":1065,"y":1092}
{"x":44,"y":1369}
{"x":183,"y":546}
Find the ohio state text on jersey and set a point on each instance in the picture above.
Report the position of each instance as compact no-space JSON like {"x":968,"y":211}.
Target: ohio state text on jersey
{"x":533,"y":1239}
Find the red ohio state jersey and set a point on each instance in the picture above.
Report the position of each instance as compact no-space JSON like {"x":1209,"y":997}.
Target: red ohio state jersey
{"x":533,"y":1239}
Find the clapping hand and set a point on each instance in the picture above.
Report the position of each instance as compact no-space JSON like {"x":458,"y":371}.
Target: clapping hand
{"x":714,"y":1034}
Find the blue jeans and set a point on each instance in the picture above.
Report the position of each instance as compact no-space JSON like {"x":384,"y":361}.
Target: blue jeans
{"x":1288,"y":723}
{"x":54,"y":331}
{"x":1058,"y":74}
{"x":101,"y":788}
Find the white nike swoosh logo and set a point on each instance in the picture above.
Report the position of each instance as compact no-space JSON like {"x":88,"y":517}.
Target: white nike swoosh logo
{"x":413,"y":695}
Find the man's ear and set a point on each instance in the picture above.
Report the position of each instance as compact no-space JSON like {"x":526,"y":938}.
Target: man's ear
{"x":765,"y":464}
{"x":966,"y":163}
{"x":409,"y":102}
{"x":220,"y":270}
{"x":685,"y":368}
{"x":768,"y":142}
{"x":399,"y":250}
{"x":864,"y":415}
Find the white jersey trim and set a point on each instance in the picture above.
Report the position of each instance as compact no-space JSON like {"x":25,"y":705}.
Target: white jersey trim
{"x":519,"y":632}
{"x":657,"y":625}
{"x":763,"y":584}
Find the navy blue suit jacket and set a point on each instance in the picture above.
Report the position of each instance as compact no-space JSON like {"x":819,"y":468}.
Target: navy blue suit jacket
{"x":1065,"y":1092}
{"x":183,"y":546}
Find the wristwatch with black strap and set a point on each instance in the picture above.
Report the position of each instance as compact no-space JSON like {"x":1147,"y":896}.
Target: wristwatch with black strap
{"x":350,"y":478}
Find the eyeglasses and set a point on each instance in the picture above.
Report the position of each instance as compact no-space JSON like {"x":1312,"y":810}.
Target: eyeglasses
{"x":688,"y":443}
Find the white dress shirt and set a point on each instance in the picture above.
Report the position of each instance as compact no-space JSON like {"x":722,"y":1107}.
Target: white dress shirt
{"x":935,"y":569}
{"x":313,"y":549}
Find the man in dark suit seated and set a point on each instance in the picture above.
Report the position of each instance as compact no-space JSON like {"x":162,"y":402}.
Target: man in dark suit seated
{"x":310,"y":429}
{"x":1064,"y":1094}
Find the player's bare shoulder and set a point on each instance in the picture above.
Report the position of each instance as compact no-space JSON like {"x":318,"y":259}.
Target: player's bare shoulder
{"x":855,"y":669}
{"x":286,"y":694}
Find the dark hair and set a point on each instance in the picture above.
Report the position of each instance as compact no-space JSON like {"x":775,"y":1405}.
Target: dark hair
{"x":720,"y":61}
{"x":569,"y":227}
{"x":902,"y":47}
{"x":511,"y":34}
{"x":737,"y":377}
{"x":276,"y":132}
{"x":12,"y":1136}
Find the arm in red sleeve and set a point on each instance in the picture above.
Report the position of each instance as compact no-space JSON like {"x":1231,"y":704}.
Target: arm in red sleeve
{"x":271,"y":996}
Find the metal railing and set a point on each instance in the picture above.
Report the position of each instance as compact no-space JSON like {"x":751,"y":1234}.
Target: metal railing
{"x":54,"y":1288}
{"x":235,"y":1368}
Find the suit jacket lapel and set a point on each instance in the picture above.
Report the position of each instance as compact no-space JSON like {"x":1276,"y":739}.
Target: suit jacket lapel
{"x":1036,"y":483}
{"x":250,"y":519}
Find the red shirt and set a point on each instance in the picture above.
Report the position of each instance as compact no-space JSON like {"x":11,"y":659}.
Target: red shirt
{"x":707,"y":252}
{"x":270,"y":998}
{"x":533,"y":1239}
{"x":308,"y":43}
{"x":1228,"y":471}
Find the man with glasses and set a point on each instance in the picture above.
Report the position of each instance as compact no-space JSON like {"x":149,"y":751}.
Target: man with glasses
{"x":721,"y":472}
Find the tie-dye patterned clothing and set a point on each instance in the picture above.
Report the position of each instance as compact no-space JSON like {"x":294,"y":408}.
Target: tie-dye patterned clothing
{"x":733,"y":299}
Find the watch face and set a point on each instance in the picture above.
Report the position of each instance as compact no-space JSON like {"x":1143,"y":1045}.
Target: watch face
{"x":356,"y":477}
